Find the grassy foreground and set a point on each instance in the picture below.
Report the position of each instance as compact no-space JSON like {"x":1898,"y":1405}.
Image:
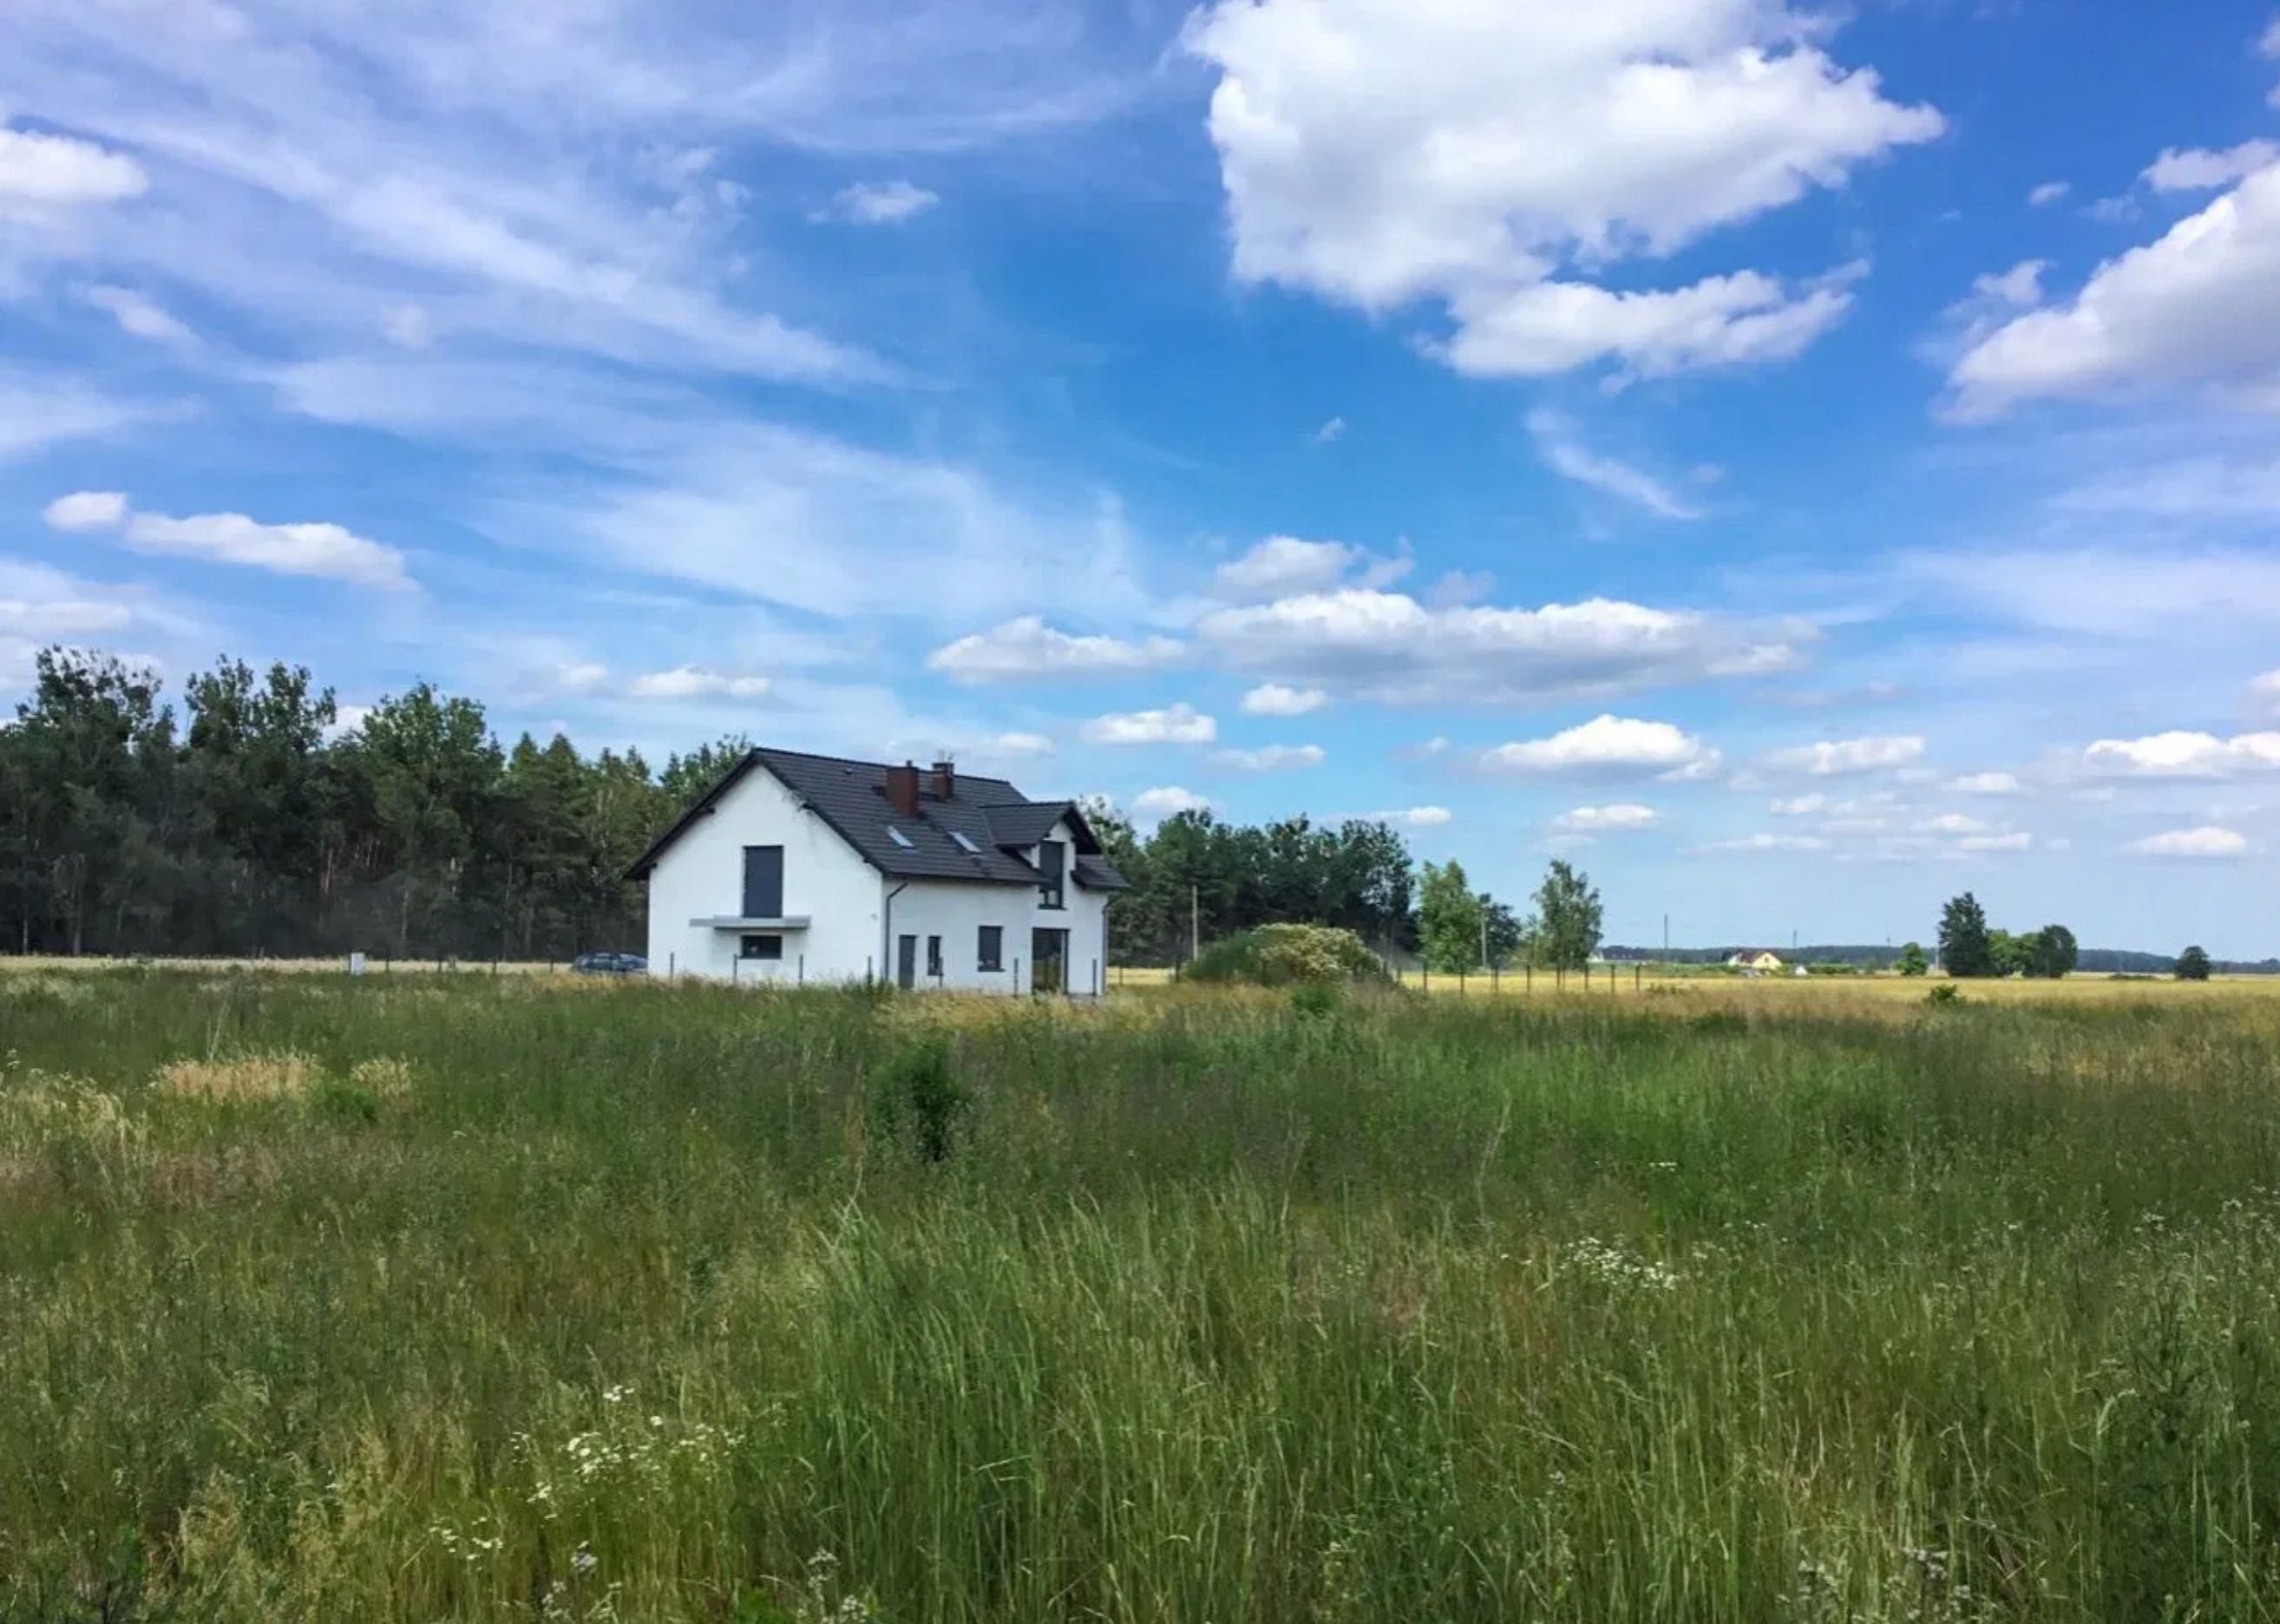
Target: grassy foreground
{"x":463,"y":1299}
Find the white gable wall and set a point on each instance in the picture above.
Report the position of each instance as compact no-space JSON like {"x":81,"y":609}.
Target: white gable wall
{"x":854,"y":924}
{"x":701,"y":875}
{"x":955,"y":910}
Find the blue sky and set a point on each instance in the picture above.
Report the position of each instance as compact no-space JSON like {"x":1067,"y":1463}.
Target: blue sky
{"x":1801,"y":463}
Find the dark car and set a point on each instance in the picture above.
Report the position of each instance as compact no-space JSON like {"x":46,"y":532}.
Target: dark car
{"x":610,"y":963}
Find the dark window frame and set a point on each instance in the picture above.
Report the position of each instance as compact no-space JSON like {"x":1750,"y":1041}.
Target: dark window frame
{"x":990,"y":949}
{"x":934,"y":958}
{"x":749,"y":948}
{"x":1054,"y":892}
{"x":747,"y":897}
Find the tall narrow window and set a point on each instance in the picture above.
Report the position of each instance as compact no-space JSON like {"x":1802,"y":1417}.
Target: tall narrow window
{"x":1052,"y":859}
{"x":933,"y":957}
{"x":762,"y":883}
{"x":989,"y":949}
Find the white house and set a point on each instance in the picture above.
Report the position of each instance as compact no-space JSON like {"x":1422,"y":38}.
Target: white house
{"x":1762,"y":959}
{"x":811,"y":868}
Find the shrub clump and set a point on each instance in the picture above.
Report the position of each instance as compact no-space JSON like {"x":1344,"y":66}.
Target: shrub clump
{"x":1287,"y":956}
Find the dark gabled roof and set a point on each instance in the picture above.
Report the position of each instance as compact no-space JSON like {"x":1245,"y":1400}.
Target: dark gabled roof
{"x":851,"y":798}
{"x":1097,"y":873}
{"x":1020,"y":825}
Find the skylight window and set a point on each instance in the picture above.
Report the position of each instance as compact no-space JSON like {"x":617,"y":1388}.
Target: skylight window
{"x":900,"y":838}
{"x":964,"y":844}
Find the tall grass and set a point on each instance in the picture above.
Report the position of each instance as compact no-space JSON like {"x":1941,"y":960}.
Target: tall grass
{"x":449,"y":1300}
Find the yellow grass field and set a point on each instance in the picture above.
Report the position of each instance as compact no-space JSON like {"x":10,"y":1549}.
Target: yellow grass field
{"x":1791,"y":992}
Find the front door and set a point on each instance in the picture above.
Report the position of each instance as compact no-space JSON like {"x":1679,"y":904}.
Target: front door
{"x":906,"y":962}
{"x":1049,"y":961}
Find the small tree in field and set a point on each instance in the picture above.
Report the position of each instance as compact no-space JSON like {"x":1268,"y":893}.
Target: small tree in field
{"x":1448,"y":920}
{"x":1966,"y":946}
{"x":1912,"y":959}
{"x":2052,"y":953}
{"x":1568,"y":918}
{"x":2193,"y":964}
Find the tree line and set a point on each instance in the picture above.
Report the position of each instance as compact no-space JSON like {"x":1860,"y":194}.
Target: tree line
{"x":1970,"y":949}
{"x":253,"y":823}
{"x":1196,"y":879}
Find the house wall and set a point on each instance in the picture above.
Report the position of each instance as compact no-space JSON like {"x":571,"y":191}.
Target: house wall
{"x":854,"y":922}
{"x":701,"y":875}
{"x":956,"y":910}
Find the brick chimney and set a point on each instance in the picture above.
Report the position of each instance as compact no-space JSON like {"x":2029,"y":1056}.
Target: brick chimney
{"x":946,"y":779}
{"x":903,"y":789}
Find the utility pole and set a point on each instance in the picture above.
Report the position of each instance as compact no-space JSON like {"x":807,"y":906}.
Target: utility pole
{"x":1195,"y":924}
{"x":1485,"y":938}
{"x":1665,"y":938}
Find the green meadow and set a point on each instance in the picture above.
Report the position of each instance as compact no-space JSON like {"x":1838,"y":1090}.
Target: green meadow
{"x":470,"y":1298}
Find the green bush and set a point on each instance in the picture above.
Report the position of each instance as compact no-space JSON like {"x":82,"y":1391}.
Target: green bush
{"x":1286,"y":956}
{"x":920,"y":1088}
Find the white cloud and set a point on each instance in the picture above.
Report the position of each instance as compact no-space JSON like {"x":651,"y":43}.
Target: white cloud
{"x":2020,"y":287}
{"x":1334,"y":429}
{"x":2197,"y":169}
{"x":57,"y":169}
{"x":1954,"y":823}
{"x":325,"y":551}
{"x":1380,"y":154}
{"x":1829,"y":758}
{"x":2015,"y":840}
{"x":1015,"y":745}
{"x":2198,"y":309}
{"x":1271,"y":757}
{"x":1391,"y":648}
{"x":1593,"y":820}
{"x":1025,"y":647}
{"x":40,"y":605}
{"x":2264,"y":692}
{"x":1166,"y":800}
{"x":347,"y":718}
{"x":1555,"y":442}
{"x":1802,"y":806}
{"x":2048,"y":193}
{"x":2124,"y":592}
{"x":1605,"y":744}
{"x":139,"y":316}
{"x":1414,"y":817}
{"x":38,"y":413}
{"x":695,"y":683}
{"x":86,"y":510}
{"x":1275,"y":699}
{"x":1555,"y":326}
{"x":580,"y":677}
{"x":1985,"y":784}
{"x":1770,"y":842}
{"x":1176,"y":724}
{"x":2192,"y":487}
{"x":2179,"y":754}
{"x":878,"y":202}
{"x":2208,"y":842}
{"x":1283,"y":566}
{"x":762,"y":510}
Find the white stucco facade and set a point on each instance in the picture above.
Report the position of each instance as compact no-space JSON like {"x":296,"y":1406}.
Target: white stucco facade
{"x":842,"y":920}
{"x":956,"y":911}
{"x":829,"y":890}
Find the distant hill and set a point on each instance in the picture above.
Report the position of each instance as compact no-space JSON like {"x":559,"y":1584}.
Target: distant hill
{"x":2094,"y":960}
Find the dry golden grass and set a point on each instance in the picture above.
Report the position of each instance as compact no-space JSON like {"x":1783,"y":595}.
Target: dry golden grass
{"x":384,"y":1077}
{"x":1792,"y":992}
{"x":277,"y":1074}
{"x":35,"y":963}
